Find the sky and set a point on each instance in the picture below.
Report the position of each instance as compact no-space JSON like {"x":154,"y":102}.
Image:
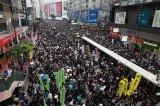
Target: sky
{"x":45,"y":1}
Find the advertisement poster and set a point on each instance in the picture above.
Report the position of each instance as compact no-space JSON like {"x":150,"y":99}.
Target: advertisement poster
{"x":103,"y":15}
{"x":124,"y":2}
{"x":53,"y":9}
{"x":59,"y":9}
{"x":131,"y":2}
{"x":46,"y":9}
{"x":64,"y":5}
{"x":93,"y":15}
{"x":143,"y":18}
{"x":156,"y":21}
{"x":120,"y":18}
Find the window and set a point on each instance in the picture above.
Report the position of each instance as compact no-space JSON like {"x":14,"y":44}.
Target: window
{"x":2,"y":27}
{"x":86,"y":6}
{"x":1,"y":7}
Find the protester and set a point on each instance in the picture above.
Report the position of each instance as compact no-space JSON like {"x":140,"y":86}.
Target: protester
{"x":91,"y":77}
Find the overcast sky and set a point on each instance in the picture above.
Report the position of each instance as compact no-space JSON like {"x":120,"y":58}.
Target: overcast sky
{"x":51,"y":0}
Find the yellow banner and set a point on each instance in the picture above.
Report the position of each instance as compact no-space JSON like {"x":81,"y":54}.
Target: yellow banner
{"x":137,"y":80}
{"x":126,"y":86}
{"x":131,"y":87}
{"x":121,"y":88}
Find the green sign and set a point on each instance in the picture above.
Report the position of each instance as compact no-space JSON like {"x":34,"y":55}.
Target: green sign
{"x":150,"y":45}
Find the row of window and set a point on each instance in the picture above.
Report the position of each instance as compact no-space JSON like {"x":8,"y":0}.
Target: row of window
{"x":2,"y":27}
{"x":6,"y":1}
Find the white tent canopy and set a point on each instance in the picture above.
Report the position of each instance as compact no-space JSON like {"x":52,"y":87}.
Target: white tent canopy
{"x":147,"y":75}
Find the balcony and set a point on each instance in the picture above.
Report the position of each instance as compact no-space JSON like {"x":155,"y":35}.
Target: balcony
{"x":7,"y":87}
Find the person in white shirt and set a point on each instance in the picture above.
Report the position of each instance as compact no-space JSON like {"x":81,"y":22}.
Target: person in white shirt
{"x":9,"y":72}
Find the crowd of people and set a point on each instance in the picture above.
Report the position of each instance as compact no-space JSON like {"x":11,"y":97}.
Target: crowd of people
{"x":146,"y":60}
{"x":91,"y":79}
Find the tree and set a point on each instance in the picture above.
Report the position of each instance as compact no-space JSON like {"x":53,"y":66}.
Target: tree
{"x":53,"y":16}
{"x":21,"y":48}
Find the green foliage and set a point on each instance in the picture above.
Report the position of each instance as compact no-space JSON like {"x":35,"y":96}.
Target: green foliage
{"x":22,"y":48}
{"x":53,"y":16}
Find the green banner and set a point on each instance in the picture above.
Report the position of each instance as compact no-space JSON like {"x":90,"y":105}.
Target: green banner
{"x":57,"y":79}
{"x":41,"y":82}
{"x":62,"y":75}
{"x":62,"y":95}
{"x":48,"y":84}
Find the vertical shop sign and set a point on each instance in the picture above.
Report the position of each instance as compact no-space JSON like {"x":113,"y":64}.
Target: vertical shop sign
{"x":24,"y":6}
{"x":59,"y":9}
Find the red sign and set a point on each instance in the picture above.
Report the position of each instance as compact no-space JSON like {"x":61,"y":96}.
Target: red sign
{"x":7,"y":39}
{"x":46,"y":9}
{"x":59,"y":9}
{"x":114,"y":34}
{"x":135,"y":39}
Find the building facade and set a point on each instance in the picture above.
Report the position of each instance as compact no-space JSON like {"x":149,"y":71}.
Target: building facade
{"x":89,"y":11}
{"x":138,"y":22}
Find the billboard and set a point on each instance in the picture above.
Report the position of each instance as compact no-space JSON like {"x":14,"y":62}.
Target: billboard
{"x":53,"y":9}
{"x":93,"y":15}
{"x":46,"y":9}
{"x":156,"y":21}
{"x":59,"y":9}
{"x":103,"y":15}
{"x":143,"y":18}
{"x":120,"y":18}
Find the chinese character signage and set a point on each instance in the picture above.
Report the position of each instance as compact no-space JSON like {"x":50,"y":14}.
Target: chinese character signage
{"x":156,"y":21}
{"x":143,"y":18}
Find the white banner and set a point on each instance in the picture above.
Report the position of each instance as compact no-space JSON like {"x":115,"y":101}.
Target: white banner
{"x":120,"y":18}
{"x":156,"y":21}
{"x":53,"y":9}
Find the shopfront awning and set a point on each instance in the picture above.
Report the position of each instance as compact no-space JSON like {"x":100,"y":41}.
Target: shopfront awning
{"x":7,"y":38}
{"x":147,"y":75}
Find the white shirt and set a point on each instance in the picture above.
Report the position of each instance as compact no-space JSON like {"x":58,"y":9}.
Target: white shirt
{"x":9,"y":71}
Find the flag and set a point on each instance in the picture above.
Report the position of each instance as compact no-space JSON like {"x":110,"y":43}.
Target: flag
{"x":48,"y":84}
{"x":44,"y":102}
{"x":41,"y":82}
